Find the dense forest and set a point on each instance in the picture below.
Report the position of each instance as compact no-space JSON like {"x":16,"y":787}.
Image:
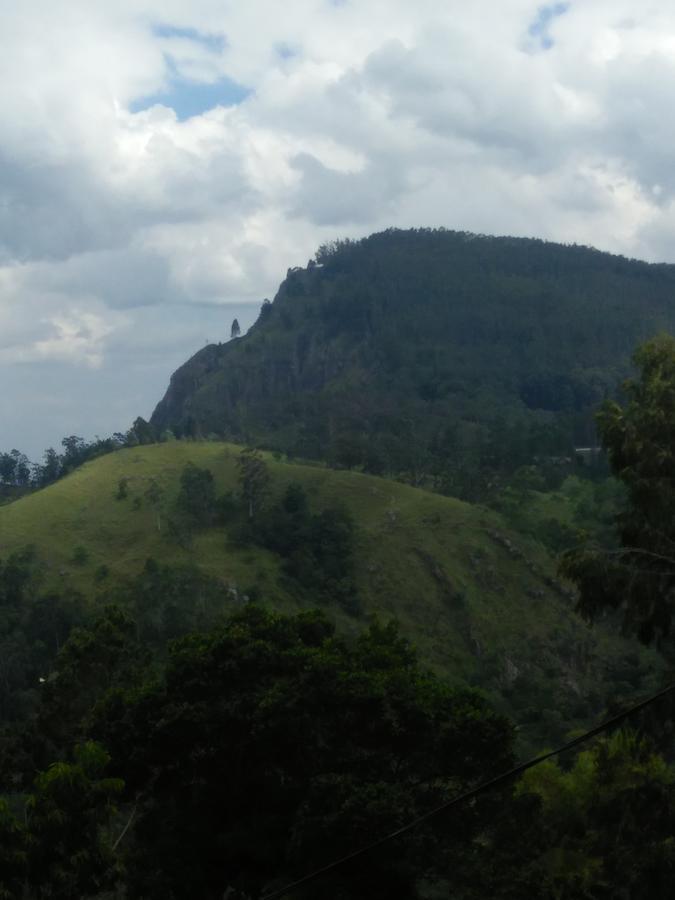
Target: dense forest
{"x":261,"y":747}
{"x":446,"y":358}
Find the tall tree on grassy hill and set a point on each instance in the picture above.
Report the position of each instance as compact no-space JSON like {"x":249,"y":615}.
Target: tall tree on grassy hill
{"x":154,"y":494}
{"x":75,"y":451}
{"x":253,"y":478}
{"x":638,"y":577}
{"x":15,"y":468}
{"x":197,"y":495}
{"x":142,"y":432}
{"x":23,"y":467}
{"x":7,"y":468}
{"x":236,"y":329}
{"x":50,"y":470}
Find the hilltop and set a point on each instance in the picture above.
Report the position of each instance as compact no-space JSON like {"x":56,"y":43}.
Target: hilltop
{"x":481,"y":604}
{"x":437,"y":354}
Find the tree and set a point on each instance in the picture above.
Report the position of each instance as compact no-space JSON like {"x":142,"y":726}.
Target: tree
{"x":93,"y":659}
{"x":197,"y":497}
{"x":269,"y":746}
{"x":142,"y":432}
{"x":154,"y":494}
{"x":236,"y":330}
{"x":15,"y":468}
{"x":68,"y":853}
{"x":318,"y":550}
{"x":80,"y":555}
{"x":51,"y":469}
{"x":637,"y":577}
{"x":607,"y":822}
{"x":12,"y":854}
{"x":23,"y":467}
{"x":75,"y":452}
{"x":253,"y":478}
{"x":7,"y":468}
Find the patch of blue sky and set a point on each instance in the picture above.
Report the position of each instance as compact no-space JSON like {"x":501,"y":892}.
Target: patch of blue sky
{"x":214,"y":42}
{"x":190,"y":98}
{"x":286,"y":51}
{"x":539,"y":28}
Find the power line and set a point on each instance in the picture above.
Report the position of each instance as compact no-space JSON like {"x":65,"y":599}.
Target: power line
{"x":468,"y":795}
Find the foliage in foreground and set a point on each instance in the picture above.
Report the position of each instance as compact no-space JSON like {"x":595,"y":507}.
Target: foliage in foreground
{"x":638,"y":578}
{"x":267,"y":746}
{"x":608,"y":821}
{"x":63,"y":847}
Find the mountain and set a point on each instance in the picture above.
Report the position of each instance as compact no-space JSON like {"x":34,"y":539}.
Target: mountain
{"x":428,"y":351}
{"x":481,"y":604}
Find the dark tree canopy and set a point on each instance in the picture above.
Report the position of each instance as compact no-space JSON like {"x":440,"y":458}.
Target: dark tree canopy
{"x":249,"y":754}
{"x":318,"y":549}
{"x":61,"y":847}
{"x":638,"y":576}
{"x":270,"y":746}
{"x":197,"y":495}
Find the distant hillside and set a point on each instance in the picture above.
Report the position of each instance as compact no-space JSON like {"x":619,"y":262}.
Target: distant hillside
{"x":482,"y":605}
{"x":428,"y":351}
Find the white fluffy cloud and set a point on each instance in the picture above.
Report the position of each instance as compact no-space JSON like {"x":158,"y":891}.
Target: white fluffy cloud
{"x":163,"y":163}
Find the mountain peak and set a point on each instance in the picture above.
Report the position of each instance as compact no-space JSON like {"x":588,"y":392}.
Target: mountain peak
{"x":390,"y":351}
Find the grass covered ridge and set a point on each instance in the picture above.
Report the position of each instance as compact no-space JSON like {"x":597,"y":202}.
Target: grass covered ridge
{"x":481,"y":605}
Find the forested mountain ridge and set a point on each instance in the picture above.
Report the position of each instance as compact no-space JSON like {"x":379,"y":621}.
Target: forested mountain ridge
{"x":428,"y":350}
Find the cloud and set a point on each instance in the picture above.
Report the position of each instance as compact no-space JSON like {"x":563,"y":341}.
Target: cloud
{"x":214,"y":43}
{"x":336,"y":198}
{"x":162,"y":163}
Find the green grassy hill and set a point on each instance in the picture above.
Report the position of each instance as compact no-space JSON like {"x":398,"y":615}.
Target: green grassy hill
{"x":481,"y":605}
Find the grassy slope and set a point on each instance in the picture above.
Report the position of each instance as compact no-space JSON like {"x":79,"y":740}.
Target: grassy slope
{"x":477,"y":609}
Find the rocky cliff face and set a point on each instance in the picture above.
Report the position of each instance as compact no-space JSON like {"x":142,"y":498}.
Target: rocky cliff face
{"x":185,"y":383}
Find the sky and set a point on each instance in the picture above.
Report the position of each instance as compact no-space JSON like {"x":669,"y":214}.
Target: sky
{"x":164,"y":162}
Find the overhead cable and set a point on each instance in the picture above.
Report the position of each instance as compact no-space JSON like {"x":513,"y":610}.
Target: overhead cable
{"x":482,"y":788}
